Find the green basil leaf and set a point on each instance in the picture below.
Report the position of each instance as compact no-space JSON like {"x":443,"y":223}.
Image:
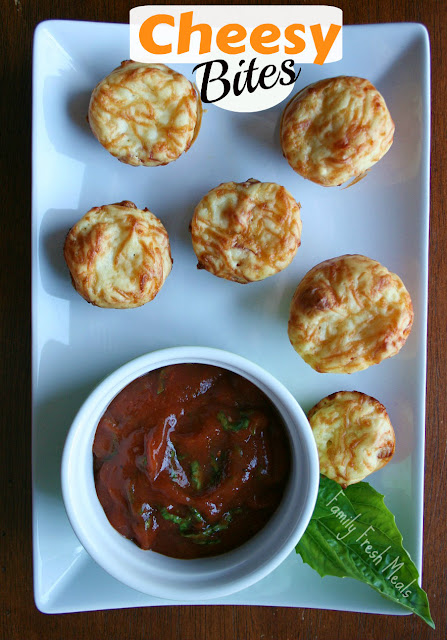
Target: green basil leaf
{"x":367,"y":500}
{"x":353,"y":534}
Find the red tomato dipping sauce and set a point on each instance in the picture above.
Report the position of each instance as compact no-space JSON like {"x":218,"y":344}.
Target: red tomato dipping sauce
{"x":190,"y":460}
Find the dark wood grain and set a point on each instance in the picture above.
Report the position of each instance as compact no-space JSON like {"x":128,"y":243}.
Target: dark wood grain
{"x":19,"y":618}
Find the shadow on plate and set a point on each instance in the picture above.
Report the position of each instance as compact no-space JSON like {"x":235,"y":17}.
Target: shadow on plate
{"x":52,"y":421}
{"x":77,"y":105}
{"x":54,"y":273}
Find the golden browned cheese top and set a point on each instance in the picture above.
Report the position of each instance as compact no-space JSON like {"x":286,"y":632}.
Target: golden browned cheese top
{"x":336,"y":129}
{"x":119,"y":256}
{"x":145,"y":114}
{"x":353,"y":434}
{"x":246,"y":231}
{"x":349,"y":313}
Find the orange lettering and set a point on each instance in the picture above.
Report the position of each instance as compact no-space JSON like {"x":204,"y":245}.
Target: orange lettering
{"x":147,"y":30}
{"x":294,"y":39}
{"x":323,"y":45}
{"x":223,"y":38}
{"x":185,"y":31}
{"x":257,"y":38}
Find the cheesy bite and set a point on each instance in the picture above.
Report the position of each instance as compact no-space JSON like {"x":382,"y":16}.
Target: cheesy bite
{"x":145,"y":114}
{"x":336,"y":129}
{"x":353,"y":434}
{"x":118,"y":256}
{"x":349,"y":313}
{"x":246,"y":231}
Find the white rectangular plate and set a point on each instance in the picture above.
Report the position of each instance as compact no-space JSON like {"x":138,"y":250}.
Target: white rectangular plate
{"x":385,"y":217}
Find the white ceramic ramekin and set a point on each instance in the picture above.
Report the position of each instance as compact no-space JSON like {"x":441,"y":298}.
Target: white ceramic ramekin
{"x":203,"y":578}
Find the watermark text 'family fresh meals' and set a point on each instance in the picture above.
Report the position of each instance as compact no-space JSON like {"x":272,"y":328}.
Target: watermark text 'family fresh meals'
{"x":389,"y":568}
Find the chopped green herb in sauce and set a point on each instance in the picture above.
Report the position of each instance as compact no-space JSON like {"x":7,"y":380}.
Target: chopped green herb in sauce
{"x":115,"y":446}
{"x":196,"y":475}
{"x":183,"y":523}
{"x":146,"y":514}
{"x":228,"y":425}
{"x":204,"y":535}
{"x":161,"y":382}
{"x":181,"y":436}
{"x":197,"y":515}
{"x":218,"y":464}
{"x":142,"y":462}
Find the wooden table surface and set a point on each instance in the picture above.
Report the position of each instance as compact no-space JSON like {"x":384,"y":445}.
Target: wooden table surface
{"x":19,"y":618}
